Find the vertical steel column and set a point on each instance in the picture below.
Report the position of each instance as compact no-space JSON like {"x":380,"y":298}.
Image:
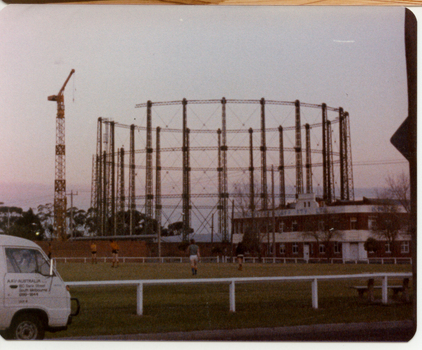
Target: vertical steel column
{"x":149,"y":196}
{"x":308,"y":160}
{"x":104,"y":214}
{"x":188,"y":192}
{"x":251,"y":181}
{"x":106,"y":174}
{"x":93,"y":183}
{"x":225,"y":193}
{"x":348,"y":156}
{"x":220,"y":184}
{"x":122,"y":189}
{"x":112,"y":185}
{"x":186,"y":199}
{"x":117,"y":229}
{"x":131,"y":191}
{"x":343,"y":160}
{"x":273,"y":210}
{"x":331,"y":188}
{"x":264,"y":190}
{"x":298,"y":150}
{"x":158,"y":205}
{"x":251,"y":173}
{"x":281,"y":169}
{"x":99,"y":205}
{"x":325,"y":155}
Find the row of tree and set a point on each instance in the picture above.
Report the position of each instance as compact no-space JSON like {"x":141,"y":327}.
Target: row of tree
{"x":40,"y":226}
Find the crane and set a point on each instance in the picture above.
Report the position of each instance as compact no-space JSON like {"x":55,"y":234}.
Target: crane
{"x":60,"y":166}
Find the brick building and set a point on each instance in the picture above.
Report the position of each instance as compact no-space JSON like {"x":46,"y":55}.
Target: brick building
{"x":309,"y":229}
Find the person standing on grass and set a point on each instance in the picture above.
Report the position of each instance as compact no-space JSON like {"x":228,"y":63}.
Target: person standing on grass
{"x":115,"y":253}
{"x":194,"y":256}
{"x":240,"y":250}
{"x":93,"y":253}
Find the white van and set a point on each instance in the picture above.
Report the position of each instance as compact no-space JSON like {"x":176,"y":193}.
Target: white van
{"x":33,"y":297}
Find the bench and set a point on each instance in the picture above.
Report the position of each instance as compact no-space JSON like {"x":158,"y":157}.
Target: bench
{"x":396,"y":290}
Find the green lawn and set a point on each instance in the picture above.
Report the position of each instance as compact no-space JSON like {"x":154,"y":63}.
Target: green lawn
{"x":112,"y":310}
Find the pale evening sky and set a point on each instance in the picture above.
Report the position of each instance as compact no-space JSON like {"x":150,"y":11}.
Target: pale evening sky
{"x":352,"y":57}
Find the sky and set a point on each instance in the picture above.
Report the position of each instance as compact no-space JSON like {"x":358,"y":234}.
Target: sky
{"x":352,"y":57}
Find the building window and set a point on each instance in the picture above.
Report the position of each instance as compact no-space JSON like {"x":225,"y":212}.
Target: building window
{"x":336,"y":247}
{"x":387,"y":247}
{"x":294,"y":226}
{"x":322,"y":248}
{"x":405,"y":247}
{"x":281,"y":226}
{"x":353,"y":223}
{"x":282,"y":248}
{"x":372,"y":223}
{"x":321,"y":225}
{"x":295,"y":248}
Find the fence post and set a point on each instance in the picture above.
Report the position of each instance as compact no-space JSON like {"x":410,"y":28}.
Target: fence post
{"x":139,"y":299}
{"x":232,"y":297}
{"x":384,"y":290}
{"x":315,"y":293}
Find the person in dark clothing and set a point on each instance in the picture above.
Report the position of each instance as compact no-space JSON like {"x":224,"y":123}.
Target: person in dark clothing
{"x":240,"y":250}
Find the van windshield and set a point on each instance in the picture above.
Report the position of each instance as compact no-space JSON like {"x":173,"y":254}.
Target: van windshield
{"x":23,"y":260}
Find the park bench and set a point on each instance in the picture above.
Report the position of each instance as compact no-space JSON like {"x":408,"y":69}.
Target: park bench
{"x":396,"y":289}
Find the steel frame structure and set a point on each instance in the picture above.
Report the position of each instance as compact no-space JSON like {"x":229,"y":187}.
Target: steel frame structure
{"x":106,"y":200}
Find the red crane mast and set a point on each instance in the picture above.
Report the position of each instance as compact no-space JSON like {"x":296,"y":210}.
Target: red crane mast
{"x":60,"y":166}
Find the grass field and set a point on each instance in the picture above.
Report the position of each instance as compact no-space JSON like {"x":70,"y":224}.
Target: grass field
{"x":112,"y":310}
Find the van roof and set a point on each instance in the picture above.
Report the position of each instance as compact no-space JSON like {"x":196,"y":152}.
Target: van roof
{"x":16,"y":241}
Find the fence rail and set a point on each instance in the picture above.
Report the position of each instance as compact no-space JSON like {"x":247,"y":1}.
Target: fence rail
{"x":232,"y":282}
{"x":253,"y":260}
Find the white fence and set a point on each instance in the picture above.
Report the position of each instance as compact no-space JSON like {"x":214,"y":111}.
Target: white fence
{"x":253,"y":260}
{"x":232,"y":282}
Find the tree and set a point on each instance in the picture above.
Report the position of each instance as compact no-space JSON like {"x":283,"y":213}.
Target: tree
{"x":324,"y":232}
{"x":392,"y":218}
{"x":10,"y":215}
{"x":91,"y":221}
{"x":398,"y":188}
{"x":252,"y":237}
{"x":389,"y":222}
{"x":77,"y":221}
{"x":28,"y":226}
{"x":175,"y":228}
{"x":371,"y":245}
{"x":251,"y":242}
{"x":45,"y":214}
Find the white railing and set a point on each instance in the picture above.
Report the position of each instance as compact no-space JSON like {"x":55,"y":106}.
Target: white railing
{"x":232,"y":281}
{"x":253,"y":260}
{"x":381,"y":261}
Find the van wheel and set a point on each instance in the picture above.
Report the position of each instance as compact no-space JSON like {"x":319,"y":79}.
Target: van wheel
{"x":26,"y":327}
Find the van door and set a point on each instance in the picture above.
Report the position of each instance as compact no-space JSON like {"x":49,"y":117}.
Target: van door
{"x":28,"y":282}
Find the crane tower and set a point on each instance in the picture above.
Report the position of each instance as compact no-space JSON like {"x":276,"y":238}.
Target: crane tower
{"x":60,"y":167}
